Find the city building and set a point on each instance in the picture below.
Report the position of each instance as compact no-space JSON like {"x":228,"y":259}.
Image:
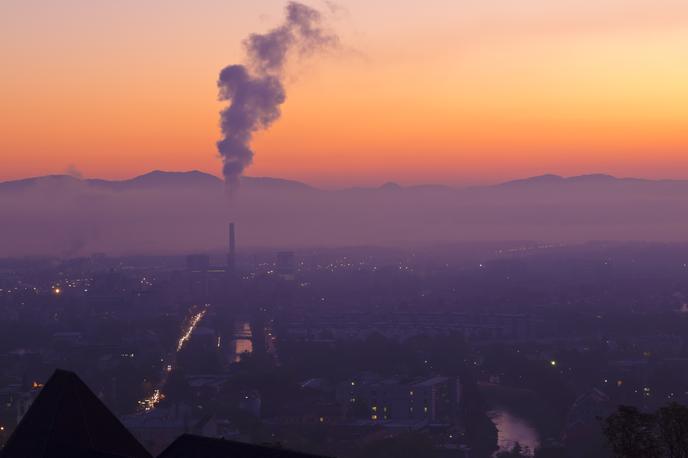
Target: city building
{"x":401,"y":402}
{"x":67,"y":420}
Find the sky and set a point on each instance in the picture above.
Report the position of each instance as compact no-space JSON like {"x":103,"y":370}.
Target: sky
{"x":439,"y":91}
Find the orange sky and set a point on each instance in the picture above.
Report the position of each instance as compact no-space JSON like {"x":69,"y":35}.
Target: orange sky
{"x":444,"y":91}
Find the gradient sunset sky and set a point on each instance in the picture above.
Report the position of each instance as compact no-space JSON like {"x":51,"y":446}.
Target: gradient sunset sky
{"x":451,"y":91}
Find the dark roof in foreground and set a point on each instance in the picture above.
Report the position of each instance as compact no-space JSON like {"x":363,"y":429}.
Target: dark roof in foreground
{"x":189,"y":446}
{"x":68,"y":421}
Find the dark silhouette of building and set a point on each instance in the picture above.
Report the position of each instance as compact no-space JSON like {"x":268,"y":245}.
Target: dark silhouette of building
{"x":188,"y":446}
{"x":68,"y":421}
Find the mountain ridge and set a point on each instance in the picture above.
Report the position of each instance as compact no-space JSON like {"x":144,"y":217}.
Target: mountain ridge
{"x":152,"y":179}
{"x":194,"y":178}
{"x":188,"y":211}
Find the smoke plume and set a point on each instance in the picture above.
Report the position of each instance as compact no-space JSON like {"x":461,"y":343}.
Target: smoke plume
{"x":255,"y":90}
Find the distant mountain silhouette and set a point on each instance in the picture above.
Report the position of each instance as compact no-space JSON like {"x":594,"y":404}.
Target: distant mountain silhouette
{"x":535,"y":181}
{"x":199,"y":180}
{"x":54,"y":180}
{"x":155,"y":179}
{"x":591,"y":179}
{"x":275,"y":183}
{"x":187,"y":211}
{"x":158,"y":178}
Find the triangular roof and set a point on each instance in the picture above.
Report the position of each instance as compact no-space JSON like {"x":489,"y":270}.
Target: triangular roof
{"x":67,"y":420}
{"x":190,"y":446}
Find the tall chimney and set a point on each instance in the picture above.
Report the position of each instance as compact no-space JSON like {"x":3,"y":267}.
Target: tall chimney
{"x":231,"y":256}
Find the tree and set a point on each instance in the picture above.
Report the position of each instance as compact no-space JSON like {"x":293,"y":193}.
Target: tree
{"x":672,"y":422}
{"x":632,"y":434}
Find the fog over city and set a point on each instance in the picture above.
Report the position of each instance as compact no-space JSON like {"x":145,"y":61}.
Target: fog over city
{"x":179,"y":212}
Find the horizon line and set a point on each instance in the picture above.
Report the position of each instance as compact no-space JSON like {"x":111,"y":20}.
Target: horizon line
{"x":381,"y":185}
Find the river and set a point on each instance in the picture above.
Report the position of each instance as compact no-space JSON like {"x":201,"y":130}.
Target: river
{"x":241,"y":342}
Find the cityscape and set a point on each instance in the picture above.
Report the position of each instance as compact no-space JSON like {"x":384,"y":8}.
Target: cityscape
{"x":344,"y":229}
{"x":357,"y":352}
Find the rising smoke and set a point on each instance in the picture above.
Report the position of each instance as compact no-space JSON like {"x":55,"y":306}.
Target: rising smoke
{"x":256,"y":91}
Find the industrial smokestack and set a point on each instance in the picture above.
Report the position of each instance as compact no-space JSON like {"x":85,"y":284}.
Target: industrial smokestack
{"x":231,"y":255}
{"x":256,"y":91}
